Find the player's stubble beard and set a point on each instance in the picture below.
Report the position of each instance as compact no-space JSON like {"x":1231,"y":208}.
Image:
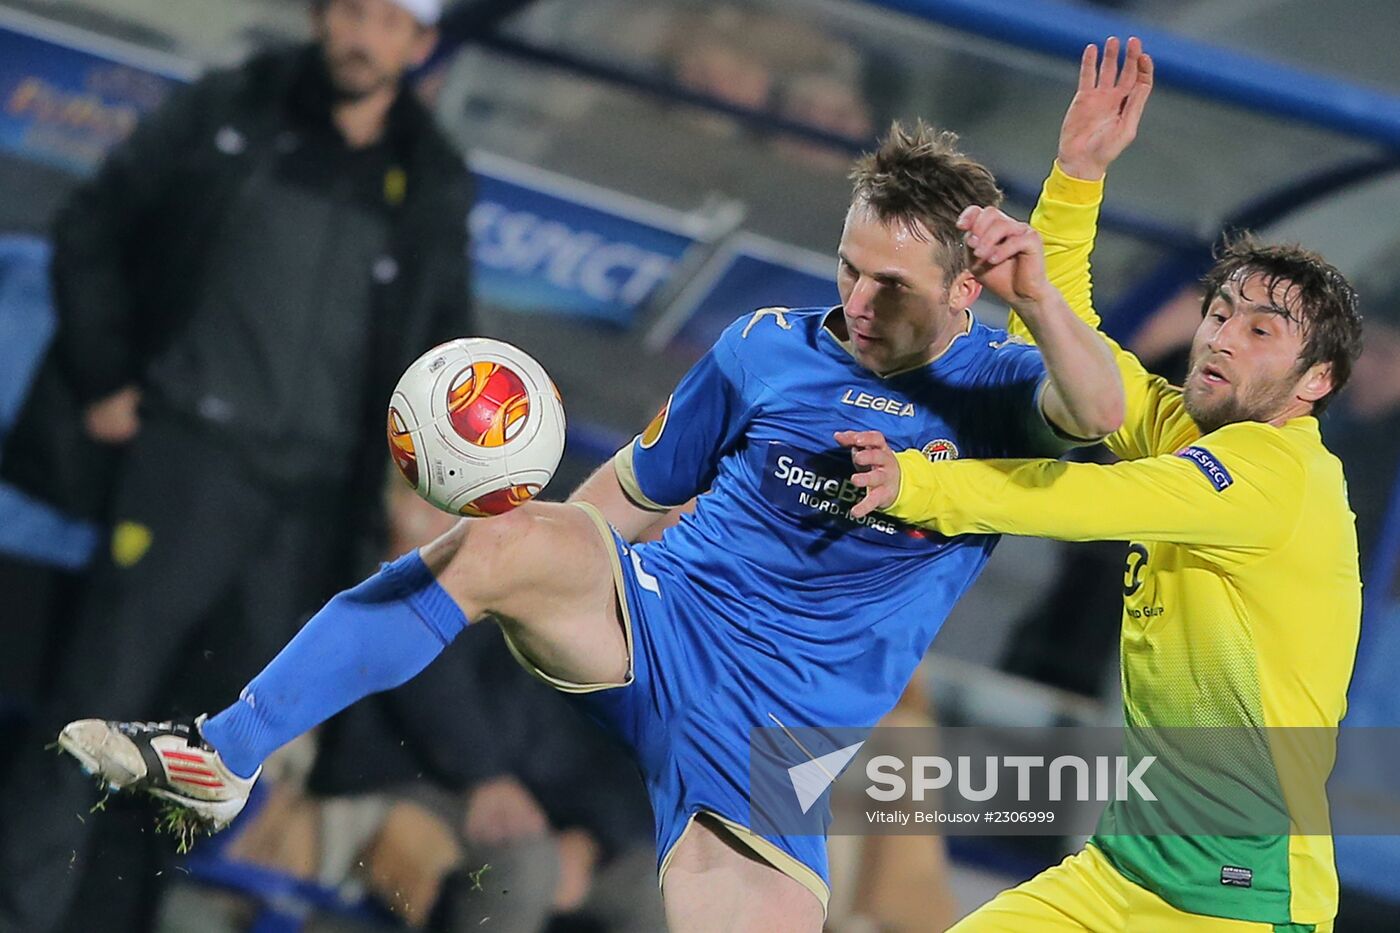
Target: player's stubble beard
{"x":1234,"y":403}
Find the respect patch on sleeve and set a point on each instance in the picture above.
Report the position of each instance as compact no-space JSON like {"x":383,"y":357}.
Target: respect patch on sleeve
{"x":1214,"y":470}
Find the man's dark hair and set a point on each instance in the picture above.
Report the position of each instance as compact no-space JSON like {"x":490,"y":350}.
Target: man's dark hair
{"x":1321,"y":300}
{"x":919,"y":178}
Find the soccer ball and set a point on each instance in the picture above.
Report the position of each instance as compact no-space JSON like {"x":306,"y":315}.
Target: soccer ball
{"x":476,"y":427}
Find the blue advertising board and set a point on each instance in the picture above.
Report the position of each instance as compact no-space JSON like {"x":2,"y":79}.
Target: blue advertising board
{"x":749,"y":272}
{"x":64,"y":105}
{"x":543,"y":242}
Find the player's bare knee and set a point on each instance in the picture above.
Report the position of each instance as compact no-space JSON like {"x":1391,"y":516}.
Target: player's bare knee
{"x":486,"y":559}
{"x":532,"y":545}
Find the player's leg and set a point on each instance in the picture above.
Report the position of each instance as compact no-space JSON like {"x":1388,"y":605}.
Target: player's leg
{"x":544,"y":568}
{"x":1082,"y":893}
{"x":548,"y":574}
{"x":714,"y":883}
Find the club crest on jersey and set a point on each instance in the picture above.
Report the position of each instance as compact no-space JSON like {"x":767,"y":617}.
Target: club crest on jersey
{"x":941,"y":449}
{"x":890,"y":406}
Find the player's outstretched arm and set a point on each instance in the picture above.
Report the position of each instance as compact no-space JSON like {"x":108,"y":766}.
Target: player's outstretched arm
{"x":1234,"y":491}
{"x":1084,"y":396}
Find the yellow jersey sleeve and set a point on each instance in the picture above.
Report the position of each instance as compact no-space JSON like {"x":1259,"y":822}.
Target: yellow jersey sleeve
{"x":1232,"y":494}
{"x":1066,"y":217}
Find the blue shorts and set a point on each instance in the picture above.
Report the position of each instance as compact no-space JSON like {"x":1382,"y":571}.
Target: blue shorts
{"x":686,"y":710}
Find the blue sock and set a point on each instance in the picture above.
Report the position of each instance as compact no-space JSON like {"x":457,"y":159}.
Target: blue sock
{"x":370,"y":638}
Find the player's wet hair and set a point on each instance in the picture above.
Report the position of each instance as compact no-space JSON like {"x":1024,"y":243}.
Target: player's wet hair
{"x":919,"y":178}
{"x":1319,"y":299}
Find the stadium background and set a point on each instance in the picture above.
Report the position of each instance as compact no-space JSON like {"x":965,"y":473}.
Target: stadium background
{"x":648,"y":171}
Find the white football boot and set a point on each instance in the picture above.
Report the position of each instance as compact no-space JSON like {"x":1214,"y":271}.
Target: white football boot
{"x":164,"y":759}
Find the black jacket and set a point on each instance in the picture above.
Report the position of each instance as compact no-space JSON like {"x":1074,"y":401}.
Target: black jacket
{"x":131,"y":242}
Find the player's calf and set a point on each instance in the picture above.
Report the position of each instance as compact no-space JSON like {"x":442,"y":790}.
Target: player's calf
{"x":369,"y":638}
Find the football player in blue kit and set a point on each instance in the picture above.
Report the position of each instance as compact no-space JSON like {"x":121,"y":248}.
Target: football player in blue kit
{"x":767,"y":604}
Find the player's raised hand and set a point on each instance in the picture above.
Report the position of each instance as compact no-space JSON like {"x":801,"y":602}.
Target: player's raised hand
{"x":1103,"y":118}
{"x":877,"y":470}
{"x":1007,"y":256}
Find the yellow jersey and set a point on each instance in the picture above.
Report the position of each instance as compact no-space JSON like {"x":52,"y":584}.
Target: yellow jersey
{"x":1242,"y":600}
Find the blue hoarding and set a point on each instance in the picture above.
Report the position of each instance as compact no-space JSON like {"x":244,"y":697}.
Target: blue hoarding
{"x":65,"y":106}
{"x":749,"y":272}
{"x":542,"y":242}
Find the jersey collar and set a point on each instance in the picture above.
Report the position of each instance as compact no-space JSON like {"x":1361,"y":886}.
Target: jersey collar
{"x":1307,"y":423}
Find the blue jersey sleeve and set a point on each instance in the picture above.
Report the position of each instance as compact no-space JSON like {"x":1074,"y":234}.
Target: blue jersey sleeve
{"x":677,"y":457}
{"x":1017,"y":371}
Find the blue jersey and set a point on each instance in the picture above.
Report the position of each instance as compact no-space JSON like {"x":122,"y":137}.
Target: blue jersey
{"x":826,"y":617}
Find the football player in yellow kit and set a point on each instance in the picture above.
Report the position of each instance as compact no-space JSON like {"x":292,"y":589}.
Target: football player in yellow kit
{"x":1243,"y":605}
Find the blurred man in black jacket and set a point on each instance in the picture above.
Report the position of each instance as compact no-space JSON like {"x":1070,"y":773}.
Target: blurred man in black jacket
{"x":237,"y":290}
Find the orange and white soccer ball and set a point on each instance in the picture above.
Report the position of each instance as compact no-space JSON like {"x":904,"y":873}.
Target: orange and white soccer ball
{"x":476,"y":426}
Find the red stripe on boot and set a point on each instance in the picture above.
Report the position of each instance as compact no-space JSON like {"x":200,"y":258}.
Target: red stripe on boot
{"x":186,"y":769}
{"x":185,"y":756}
{"x":185,"y":780}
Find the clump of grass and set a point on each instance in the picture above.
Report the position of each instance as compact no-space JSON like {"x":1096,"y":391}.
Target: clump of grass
{"x":182,"y":823}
